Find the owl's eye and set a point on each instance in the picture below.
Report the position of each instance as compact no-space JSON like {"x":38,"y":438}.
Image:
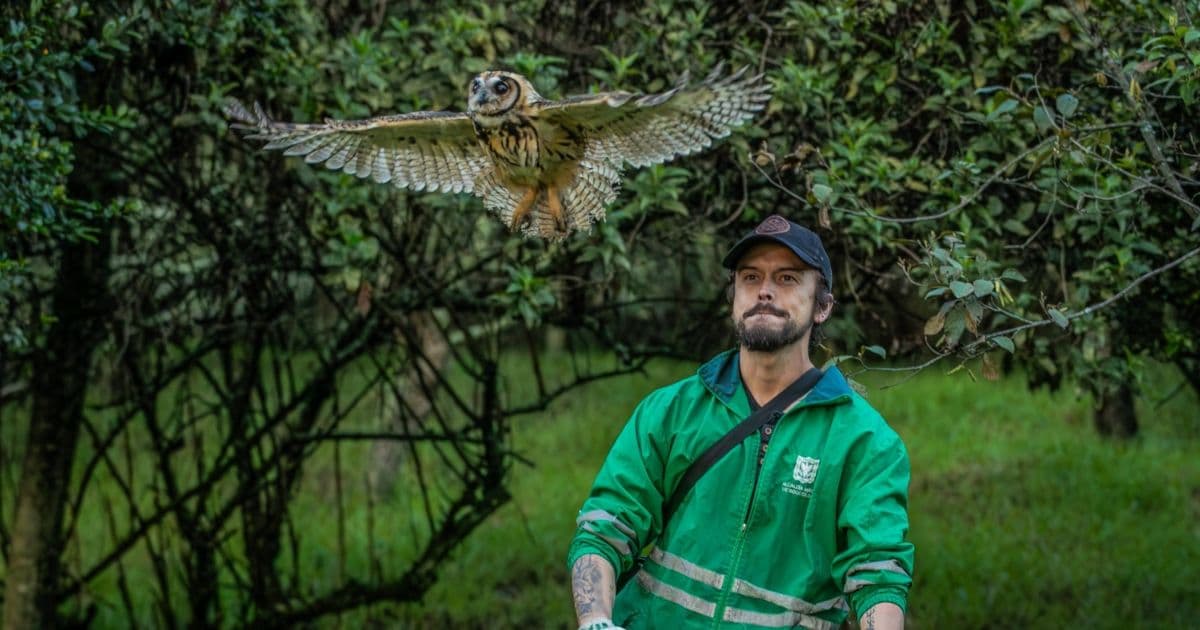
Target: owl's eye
{"x":502,"y":88}
{"x":475,"y":85}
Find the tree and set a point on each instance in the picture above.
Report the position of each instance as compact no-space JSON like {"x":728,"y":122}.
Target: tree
{"x":1032,"y":166}
{"x":215,"y":324}
{"x":52,"y":289}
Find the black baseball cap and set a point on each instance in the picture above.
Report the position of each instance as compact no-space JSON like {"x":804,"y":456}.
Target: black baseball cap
{"x":801,"y":240}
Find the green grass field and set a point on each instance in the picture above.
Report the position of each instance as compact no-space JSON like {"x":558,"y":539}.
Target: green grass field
{"x":1022,"y":517}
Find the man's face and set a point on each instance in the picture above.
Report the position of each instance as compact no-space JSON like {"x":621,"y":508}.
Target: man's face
{"x":774,"y":301}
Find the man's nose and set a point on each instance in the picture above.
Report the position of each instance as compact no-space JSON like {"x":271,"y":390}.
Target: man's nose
{"x":766,"y":291}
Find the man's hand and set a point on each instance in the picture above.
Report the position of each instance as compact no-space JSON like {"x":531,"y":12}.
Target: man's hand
{"x":593,"y":585}
{"x":882,"y":616}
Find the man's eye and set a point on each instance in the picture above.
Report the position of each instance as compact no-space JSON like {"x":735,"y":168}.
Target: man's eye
{"x":788,"y":278}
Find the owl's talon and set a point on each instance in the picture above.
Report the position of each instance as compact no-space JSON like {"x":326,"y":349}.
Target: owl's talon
{"x":556,"y":209}
{"x":522,"y":208}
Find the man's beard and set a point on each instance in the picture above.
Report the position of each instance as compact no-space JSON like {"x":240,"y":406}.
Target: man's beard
{"x":766,"y":338}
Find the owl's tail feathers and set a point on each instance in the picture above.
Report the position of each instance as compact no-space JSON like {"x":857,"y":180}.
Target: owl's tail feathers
{"x":497,"y":197}
{"x":586,"y":198}
{"x":583,"y":201}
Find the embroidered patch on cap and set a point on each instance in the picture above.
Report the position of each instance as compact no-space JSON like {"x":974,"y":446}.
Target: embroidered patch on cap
{"x":774,"y":224}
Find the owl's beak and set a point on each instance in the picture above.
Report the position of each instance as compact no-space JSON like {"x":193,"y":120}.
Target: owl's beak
{"x":480,"y":99}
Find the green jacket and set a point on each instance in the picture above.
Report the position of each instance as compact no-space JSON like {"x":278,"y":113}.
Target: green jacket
{"x":822,"y":528}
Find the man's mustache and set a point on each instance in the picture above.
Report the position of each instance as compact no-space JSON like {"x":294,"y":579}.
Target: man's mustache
{"x":764,"y":308}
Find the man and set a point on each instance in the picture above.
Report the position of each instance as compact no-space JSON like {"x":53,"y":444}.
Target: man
{"x":798,"y":525}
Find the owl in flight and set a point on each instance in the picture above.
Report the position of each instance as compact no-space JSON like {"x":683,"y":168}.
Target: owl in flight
{"x":545,"y":167}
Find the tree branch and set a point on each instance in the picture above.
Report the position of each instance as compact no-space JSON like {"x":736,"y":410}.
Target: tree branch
{"x":1090,"y":309}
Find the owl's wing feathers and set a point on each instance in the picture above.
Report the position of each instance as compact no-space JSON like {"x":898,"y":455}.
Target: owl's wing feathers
{"x":421,"y":150}
{"x":644,"y":129}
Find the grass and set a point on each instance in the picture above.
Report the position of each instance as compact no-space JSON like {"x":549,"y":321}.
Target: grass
{"x":1024,"y":518}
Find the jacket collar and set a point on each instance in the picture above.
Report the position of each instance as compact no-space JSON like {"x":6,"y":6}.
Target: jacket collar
{"x":723,"y":378}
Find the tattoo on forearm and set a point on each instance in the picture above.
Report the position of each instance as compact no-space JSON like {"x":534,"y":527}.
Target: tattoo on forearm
{"x":868,"y":620}
{"x":586,"y":585}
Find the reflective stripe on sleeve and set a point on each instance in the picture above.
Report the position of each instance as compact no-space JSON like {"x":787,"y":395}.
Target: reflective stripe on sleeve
{"x":853,"y":584}
{"x":605,"y":517}
{"x":621,"y":545}
{"x":624,"y":546}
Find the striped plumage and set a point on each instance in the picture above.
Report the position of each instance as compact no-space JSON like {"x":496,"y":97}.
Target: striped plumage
{"x":544,"y":167}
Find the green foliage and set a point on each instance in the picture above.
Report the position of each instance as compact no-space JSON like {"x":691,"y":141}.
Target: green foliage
{"x":1026,"y":137}
{"x":41,"y":114}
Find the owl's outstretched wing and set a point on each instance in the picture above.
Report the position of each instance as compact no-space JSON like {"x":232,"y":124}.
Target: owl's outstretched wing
{"x":644,"y":129}
{"x":422,"y":150}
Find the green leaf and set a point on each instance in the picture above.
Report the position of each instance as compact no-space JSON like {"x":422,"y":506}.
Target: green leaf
{"x":1066,"y":104}
{"x":1003,"y":342}
{"x":1016,"y":227}
{"x":956,"y":323}
{"x":983,"y":288}
{"x":1004,"y":108}
{"x":974,"y":314}
{"x":935,"y":292}
{"x":821,"y":192}
{"x":1042,"y":118}
{"x":1191,"y":36}
{"x":877,"y":350}
{"x":1147,"y":246}
{"x":961,"y":289}
{"x":1058,"y":14}
{"x":1013,"y":274}
{"x":1058,"y":318}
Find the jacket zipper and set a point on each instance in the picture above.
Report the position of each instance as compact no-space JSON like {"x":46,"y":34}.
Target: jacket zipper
{"x":727,"y":587}
{"x":719,"y":611}
{"x":758,"y":460}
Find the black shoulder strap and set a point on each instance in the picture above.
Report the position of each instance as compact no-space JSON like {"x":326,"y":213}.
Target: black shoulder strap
{"x":767,"y":413}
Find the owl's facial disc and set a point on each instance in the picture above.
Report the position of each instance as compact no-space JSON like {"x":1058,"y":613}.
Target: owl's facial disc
{"x":493,"y":94}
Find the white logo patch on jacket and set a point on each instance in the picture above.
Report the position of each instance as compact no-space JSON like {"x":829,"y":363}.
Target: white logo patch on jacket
{"x":803,"y":476}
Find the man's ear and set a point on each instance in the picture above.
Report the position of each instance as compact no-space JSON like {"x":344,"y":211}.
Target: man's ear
{"x":824,"y":308}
